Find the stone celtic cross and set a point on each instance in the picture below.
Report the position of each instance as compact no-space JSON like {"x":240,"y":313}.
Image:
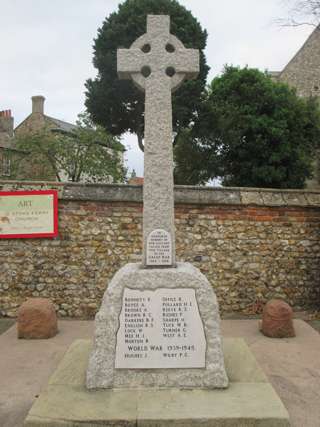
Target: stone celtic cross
{"x":157,"y":62}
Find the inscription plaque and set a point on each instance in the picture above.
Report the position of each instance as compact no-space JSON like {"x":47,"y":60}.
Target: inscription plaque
{"x":159,"y":248}
{"x":160,"y":329}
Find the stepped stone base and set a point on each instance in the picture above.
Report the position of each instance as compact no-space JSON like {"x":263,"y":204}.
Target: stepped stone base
{"x":250,"y":401}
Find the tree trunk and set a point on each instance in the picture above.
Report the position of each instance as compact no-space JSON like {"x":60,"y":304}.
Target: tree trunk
{"x":140,"y":141}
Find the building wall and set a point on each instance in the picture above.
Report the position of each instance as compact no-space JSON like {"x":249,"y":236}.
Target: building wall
{"x":303,"y":71}
{"x":33,"y":167}
{"x":30,"y":166}
{"x":252,"y":245}
{"x":6,"y":129}
{"x":5,"y":163}
{"x":35,"y":122}
{"x":6,"y":135}
{"x":22,"y":165}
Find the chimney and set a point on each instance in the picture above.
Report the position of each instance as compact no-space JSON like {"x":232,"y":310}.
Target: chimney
{"x":38,"y":104}
{"x":6,"y":122}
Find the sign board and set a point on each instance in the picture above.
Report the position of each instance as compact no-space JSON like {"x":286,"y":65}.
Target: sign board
{"x":160,"y":329}
{"x":28,"y":214}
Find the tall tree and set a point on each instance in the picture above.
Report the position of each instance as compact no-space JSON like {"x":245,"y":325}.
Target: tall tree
{"x":251,"y":131}
{"x":116,"y":104}
{"x":87,"y":154}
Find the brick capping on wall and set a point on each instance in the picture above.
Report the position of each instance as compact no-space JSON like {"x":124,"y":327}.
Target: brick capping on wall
{"x":252,"y":244}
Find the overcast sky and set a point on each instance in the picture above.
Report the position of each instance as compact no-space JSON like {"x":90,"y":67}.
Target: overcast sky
{"x":46,"y":48}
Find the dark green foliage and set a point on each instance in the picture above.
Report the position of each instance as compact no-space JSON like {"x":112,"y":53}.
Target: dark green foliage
{"x":116,"y":104}
{"x":251,"y":131}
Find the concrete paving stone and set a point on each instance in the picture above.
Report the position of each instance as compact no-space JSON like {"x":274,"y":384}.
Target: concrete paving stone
{"x":302,"y":397}
{"x":242,"y":404}
{"x":5,"y":324}
{"x":72,"y":368}
{"x":289,"y":355}
{"x":250,"y":371}
{"x":26,"y":366}
{"x":60,"y":404}
{"x":315,"y":324}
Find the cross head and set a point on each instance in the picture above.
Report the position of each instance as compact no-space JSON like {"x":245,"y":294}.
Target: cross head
{"x":158,"y":63}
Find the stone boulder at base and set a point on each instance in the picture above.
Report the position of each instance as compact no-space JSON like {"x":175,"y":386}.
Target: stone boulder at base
{"x":277,"y":320}
{"x":37,"y":319}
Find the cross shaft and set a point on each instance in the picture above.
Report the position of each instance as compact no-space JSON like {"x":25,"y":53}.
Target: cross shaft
{"x":158,"y":63}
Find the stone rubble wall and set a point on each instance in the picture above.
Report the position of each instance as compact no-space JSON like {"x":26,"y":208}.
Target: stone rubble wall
{"x":252,"y":244}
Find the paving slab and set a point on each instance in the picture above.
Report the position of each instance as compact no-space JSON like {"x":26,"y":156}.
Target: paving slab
{"x":291,"y":365}
{"x":26,"y":366}
{"x":249,"y":401}
{"x":5,"y":324}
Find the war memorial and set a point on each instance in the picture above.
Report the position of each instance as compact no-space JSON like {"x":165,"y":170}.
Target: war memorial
{"x":157,"y":357}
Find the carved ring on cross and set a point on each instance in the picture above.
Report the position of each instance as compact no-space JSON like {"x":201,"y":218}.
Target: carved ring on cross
{"x":158,"y":57}
{"x":158,"y":61}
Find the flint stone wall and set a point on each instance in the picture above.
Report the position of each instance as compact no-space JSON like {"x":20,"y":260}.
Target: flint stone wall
{"x":252,"y":245}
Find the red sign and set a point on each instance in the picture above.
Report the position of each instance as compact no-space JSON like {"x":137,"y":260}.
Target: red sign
{"x":28,"y":214}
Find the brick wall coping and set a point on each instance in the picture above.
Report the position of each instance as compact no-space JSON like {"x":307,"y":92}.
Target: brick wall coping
{"x":183,"y":194}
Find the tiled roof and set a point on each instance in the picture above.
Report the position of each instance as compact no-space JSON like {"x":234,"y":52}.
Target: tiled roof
{"x":61,"y":125}
{"x":137,"y":180}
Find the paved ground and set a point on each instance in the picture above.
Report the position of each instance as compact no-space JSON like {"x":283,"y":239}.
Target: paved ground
{"x":292,"y":365}
{"x":5,"y":324}
{"x":315,"y":324}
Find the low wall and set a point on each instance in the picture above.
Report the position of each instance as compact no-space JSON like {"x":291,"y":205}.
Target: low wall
{"x":252,"y":245}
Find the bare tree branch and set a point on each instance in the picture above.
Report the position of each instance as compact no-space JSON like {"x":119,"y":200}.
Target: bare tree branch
{"x":301,"y":12}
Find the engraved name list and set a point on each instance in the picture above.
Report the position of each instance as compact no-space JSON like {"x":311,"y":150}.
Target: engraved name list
{"x":160,"y":329}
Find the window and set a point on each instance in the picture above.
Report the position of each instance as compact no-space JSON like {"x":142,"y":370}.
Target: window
{"x":6,"y":165}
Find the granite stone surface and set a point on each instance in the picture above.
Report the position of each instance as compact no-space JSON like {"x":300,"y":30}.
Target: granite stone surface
{"x":101,"y":372}
{"x":168,"y":63}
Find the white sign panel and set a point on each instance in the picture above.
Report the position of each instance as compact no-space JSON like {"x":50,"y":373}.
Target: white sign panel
{"x":160,"y":329}
{"x":159,"y":251}
{"x":28,"y":214}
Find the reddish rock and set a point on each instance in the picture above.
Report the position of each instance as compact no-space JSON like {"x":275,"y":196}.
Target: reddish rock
{"x":277,"y":320}
{"x":37,"y":319}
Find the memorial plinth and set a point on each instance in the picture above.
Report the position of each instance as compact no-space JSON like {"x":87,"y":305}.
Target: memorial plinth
{"x":157,"y":328}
